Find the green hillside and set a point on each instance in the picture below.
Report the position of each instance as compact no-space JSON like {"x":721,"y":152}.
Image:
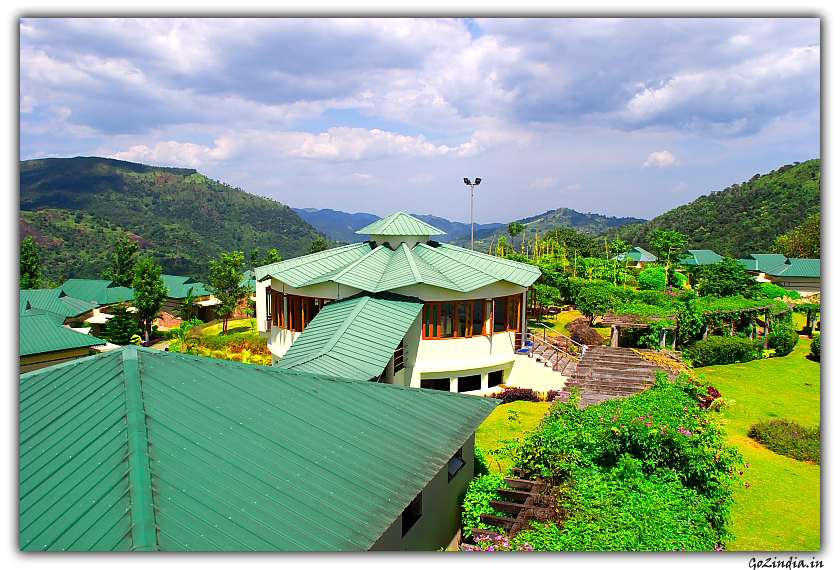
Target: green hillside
{"x":183,"y":217}
{"x":590,"y":224}
{"x":744,"y":218}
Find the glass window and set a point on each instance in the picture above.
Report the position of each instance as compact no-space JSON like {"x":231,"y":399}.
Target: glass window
{"x":447,"y":320}
{"x":499,"y":310}
{"x":478,"y":318}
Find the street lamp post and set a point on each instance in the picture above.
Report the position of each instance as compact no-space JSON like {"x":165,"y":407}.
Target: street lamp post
{"x":472,"y":186}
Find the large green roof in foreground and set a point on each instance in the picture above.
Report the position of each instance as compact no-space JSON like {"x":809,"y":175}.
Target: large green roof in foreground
{"x":142,"y":449}
{"x":377,"y":268}
{"x":354,"y":337}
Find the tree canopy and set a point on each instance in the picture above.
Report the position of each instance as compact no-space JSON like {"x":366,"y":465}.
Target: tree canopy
{"x":30,"y":264}
{"x":123,"y":263}
{"x":804,"y":241}
{"x":149,"y":292}
{"x":225,"y":283}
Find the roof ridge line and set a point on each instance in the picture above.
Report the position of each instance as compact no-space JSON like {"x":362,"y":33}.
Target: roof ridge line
{"x":410,"y":256}
{"x":357,"y":262}
{"x":143,"y":531}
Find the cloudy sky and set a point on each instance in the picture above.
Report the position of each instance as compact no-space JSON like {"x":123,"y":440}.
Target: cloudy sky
{"x":621,"y":117}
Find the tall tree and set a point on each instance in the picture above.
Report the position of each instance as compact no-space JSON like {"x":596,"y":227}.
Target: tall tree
{"x":123,"y":263}
{"x":271,"y":257}
{"x":724,"y":279}
{"x":149,"y":293}
{"x":255,"y":258}
{"x":318,"y":245}
{"x":121,"y":327}
{"x":803,"y":241}
{"x":30,"y":264}
{"x":667,"y":244}
{"x":226,"y":284}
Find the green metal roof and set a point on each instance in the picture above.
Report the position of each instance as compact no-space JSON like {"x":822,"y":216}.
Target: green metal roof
{"x":144,"y":449}
{"x":249,"y":280}
{"x":355,"y":337}
{"x":796,"y":267}
{"x":101,"y":291}
{"x":699,"y":257}
{"x":54,"y":317}
{"x":39,"y":333}
{"x":378,"y":269}
{"x":54,"y":301}
{"x":637,"y":254}
{"x":179,"y":286}
{"x":762,"y":261}
{"x":400,"y":224}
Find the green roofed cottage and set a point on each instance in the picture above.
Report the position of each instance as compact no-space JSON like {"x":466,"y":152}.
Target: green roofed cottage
{"x":400,"y":308}
{"x":139,"y":449}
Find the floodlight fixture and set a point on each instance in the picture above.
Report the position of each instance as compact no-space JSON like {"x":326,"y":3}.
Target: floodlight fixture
{"x":472,"y":186}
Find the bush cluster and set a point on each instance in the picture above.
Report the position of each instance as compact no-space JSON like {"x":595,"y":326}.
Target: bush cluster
{"x":788,"y":438}
{"x":481,"y":491}
{"x":723,"y":350}
{"x":710,"y":396}
{"x":516,"y":394}
{"x":653,"y":279}
{"x":650,"y":472}
{"x":815,"y":347}
{"x":782,"y":341}
{"x":773,"y":291}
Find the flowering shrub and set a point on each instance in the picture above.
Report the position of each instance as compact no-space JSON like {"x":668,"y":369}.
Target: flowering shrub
{"x":788,"y":438}
{"x":552,"y":395}
{"x":500,"y":543}
{"x":515,"y":394}
{"x":650,"y":472}
{"x":782,"y":341}
{"x":711,"y":395}
{"x":723,"y":350}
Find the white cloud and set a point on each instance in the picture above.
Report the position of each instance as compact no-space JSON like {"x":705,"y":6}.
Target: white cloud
{"x":542,"y":183}
{"x":660,"y":159}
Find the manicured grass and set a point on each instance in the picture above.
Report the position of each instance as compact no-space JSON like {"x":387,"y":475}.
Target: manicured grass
{"x":234,"y":326}
{"x":507,"y":423}
{"x":781,"y":509}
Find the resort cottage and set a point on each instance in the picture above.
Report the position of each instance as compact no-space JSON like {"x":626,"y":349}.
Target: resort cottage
{"x":401,"y":309}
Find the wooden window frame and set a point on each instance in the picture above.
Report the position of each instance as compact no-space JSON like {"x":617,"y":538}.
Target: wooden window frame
{"x":431,"y":321}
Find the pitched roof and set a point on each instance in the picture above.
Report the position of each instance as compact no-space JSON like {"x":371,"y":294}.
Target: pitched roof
{"x":39,"y":333}
{"x":179,"y":286}
{"x":796,"y":267}
{"x":378,"y":268}
{"x":101,"y":291}
{"x":54,"y":301}
{"x":143,"y":449}
{"x":400,"y":224}
{"x":354,"y":337}
{"x":699,"y":257}
{"x":762,"y":261}
{"x":637,"y":254}
{"x":249,"y":280}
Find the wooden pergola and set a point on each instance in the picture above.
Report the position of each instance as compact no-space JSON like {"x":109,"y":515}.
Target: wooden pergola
{"x":619,"y":322}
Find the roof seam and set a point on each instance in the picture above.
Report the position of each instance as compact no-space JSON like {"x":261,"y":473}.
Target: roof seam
{"x":143,"y":531}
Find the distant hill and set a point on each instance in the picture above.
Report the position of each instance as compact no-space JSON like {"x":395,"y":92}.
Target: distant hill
{"x":743,"y":218}
{"x":590,"y":224}
{"x":185,"y":218}
{"x":342,"y":226}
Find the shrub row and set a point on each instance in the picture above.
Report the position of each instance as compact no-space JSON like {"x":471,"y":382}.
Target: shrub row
{"x":650,"y":472}
{"x":723,"y":350}
{"x":815,"y":346}
{"x":788,"y":438}
{"x":782,"y":341}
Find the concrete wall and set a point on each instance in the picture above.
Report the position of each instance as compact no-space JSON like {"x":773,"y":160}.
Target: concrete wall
{"x":804,"y":287}
{"x":441,"y":518}
{"x":38,"y":361}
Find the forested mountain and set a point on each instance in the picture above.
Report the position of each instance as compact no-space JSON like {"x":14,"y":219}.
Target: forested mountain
{"x":744,"y":218}
{"x":185,"y":218}
{"x":590,"y":224}
{"x":342,"y":226}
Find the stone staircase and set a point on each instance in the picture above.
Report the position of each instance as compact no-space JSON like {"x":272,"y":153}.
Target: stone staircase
{"x":607,"y":372}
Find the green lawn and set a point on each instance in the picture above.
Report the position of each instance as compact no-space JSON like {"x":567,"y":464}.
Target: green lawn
{"x":507,"y":423}
{"x":781,"y":509}
{"x":234,"y":326}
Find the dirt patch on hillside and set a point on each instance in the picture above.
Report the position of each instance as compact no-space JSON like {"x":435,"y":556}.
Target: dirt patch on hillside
{"x":27,"y":229}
